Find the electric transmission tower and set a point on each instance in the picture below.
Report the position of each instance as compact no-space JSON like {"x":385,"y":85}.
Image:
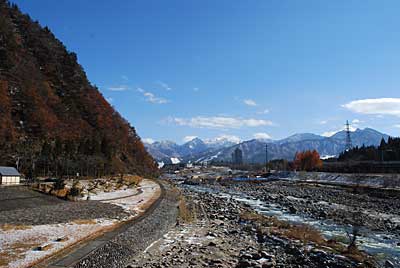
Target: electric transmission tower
{"x":266,"y":157}
{"x":348,"y":138}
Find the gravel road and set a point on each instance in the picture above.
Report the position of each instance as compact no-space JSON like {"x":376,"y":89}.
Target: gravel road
{"x":117,"y":252}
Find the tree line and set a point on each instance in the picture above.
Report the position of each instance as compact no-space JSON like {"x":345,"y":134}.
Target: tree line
{"x":387,"y":151}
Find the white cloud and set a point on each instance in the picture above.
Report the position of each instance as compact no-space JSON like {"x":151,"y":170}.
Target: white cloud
{"x":150,"y":97}
{"x":356,"y":121}
{"x":189,"y":138}
{"x":218,"y":122}
{"x":125,"y":78}
{"x":261,"y":136}
{"x":224,"y":137}
{"x":323,"y":122}
{"x":397,"y":126}
{"x":382,"y":106}
{"x":164,"y":85}
{"x":148,"y":140}
{"x":119,"y":88}
{"x":265,"y":111}
{"x":250,"y":102}
{"x":196,"y":89}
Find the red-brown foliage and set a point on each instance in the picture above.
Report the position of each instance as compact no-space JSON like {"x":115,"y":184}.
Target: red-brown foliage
{"x":307,"y":160}
{"x":51,"y":118}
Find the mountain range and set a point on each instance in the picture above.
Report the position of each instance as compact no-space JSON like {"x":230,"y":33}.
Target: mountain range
{"x":197,"y":150}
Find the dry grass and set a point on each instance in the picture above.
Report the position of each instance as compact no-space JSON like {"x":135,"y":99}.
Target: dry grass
{"x":15,"y":251}
{"x":84,"y":221}
{"x":305,"y":233}
{"x":132,"y":179}
{"x":185,"y":213}
{"x":264,"y":220}
{"x":9,"y":227}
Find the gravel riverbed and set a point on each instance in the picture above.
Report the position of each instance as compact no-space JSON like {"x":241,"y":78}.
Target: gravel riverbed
{"x":341,"y":205}
{"x":218,"y":236}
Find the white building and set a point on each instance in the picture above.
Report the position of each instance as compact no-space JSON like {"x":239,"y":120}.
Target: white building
{"x":9,"y":176}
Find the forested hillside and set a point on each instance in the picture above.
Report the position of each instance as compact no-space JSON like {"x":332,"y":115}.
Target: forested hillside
{"x":52,"y":120}
{"x":387,"y":151}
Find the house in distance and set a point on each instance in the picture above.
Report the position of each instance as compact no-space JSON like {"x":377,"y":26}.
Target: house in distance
{"x":9,"y":176}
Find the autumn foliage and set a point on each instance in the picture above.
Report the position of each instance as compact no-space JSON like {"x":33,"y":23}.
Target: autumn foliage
{"x":307,"y":160}
{"x":52,"y":120}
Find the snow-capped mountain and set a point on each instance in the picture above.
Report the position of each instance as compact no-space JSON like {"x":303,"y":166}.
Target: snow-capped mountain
{"x":198,"y":150}
{"x":222,"y":141}
{"x":300,"y":137}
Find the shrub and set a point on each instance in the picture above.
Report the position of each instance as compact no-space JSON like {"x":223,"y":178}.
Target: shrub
{"x":307,"y":160}
{"x":59,"y":184}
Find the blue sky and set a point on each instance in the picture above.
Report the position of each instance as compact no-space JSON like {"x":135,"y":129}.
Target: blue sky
{"x":239,"y":69}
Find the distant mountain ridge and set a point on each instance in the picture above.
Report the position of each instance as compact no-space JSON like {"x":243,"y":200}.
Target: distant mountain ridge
{"x":254,"y":150}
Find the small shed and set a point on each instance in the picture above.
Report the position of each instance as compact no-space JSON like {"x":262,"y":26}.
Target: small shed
{"x":9,"y":176}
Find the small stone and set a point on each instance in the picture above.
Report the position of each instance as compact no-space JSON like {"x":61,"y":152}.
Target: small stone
{"x":292,"y":209}
{"x":212,"y":244}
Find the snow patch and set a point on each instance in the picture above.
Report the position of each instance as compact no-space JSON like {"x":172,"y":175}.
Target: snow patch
{"x":175,"y":160}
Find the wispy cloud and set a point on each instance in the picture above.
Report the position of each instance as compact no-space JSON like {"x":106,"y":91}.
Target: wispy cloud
{"x":119,"y":88}
{"x":249,"y":102}
{"x":164,"y":85}
{"x":125,"y":78}
{"x":382,"y":106}
{"x":397,"y":126}
{"x":225,"y":137}
{"x":196,"y":89}
{"x":323,"y":122}
{"x":218,"y":122}
{"x":262,"y":136}
{"x":265,"y":111}
{"x":150,"y":97}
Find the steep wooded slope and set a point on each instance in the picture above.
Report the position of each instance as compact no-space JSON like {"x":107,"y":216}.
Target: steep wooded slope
{"x":52,"y":120}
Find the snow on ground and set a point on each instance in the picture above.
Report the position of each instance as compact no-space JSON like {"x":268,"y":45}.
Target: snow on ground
{"x":135,"y":203}
{"x":17,"y":244}
{"x":113,"y":195}
{"x":190,"y":234}
{"x":17,"y":247}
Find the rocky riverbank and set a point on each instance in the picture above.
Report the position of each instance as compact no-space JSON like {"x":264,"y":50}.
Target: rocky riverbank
{"x":226,"y":233}
{"x":341,"y":205}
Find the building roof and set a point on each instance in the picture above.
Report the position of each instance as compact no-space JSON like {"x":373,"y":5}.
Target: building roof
{"x":9,"y":171}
